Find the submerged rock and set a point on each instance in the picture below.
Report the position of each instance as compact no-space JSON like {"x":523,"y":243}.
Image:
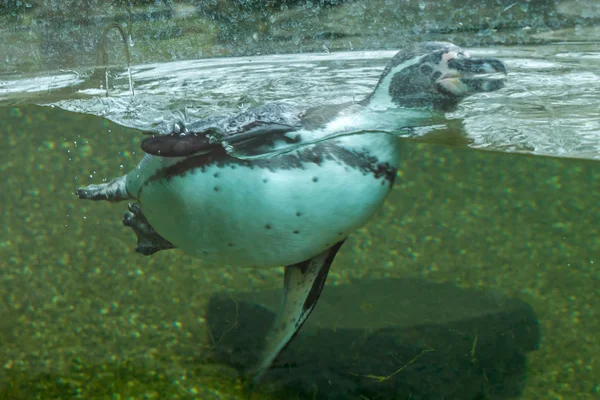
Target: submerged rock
{"x":385,"y":339}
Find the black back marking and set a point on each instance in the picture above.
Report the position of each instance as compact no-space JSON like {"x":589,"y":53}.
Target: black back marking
{"x":318,"y":154}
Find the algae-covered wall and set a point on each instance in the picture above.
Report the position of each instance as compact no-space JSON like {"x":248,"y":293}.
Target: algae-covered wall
{"x":48,"y":34}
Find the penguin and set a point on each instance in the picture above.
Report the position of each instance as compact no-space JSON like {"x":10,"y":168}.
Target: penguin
{"x":281,"y":186}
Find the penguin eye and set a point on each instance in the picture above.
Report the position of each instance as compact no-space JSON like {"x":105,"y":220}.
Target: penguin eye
{"x":426,"y":69}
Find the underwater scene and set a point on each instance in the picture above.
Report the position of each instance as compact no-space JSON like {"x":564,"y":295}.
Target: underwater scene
{"x":334,"y":199}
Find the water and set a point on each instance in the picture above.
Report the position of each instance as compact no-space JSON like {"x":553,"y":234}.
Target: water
{"x":85,"y":317}
{"x":549,"y":106}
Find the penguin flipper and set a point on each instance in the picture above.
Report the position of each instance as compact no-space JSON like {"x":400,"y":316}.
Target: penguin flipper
{"x":250,"y":139}
{"x":303,"y":283}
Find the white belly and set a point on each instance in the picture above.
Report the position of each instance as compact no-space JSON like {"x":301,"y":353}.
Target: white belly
{"x":257,"y":217}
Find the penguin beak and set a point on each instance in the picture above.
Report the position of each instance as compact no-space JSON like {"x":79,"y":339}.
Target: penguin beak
{"x":466,"y":76}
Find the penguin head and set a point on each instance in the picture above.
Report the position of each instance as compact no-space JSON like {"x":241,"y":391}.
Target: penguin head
{"x":435,"y":75}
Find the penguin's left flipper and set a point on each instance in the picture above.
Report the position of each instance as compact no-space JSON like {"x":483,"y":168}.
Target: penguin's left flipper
{"x":251,"y":138}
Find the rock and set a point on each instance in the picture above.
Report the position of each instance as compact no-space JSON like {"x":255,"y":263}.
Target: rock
{"x":588,"y":9}
{"x":377,"y":23}
{"x":586,"y":34}
{"x":65,"y":35}
{"x":385,"y":339}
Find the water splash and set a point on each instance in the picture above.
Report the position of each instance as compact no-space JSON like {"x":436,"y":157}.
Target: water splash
{"x":102,"y":55}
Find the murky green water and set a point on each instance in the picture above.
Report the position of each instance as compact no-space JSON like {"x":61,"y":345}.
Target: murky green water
{"x":83,"y":316}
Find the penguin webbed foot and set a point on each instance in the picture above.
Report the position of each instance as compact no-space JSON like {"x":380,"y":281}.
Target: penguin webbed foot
{"x":148,"y":240}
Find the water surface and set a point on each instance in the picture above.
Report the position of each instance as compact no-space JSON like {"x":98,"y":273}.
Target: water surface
{"x":548,"y":107}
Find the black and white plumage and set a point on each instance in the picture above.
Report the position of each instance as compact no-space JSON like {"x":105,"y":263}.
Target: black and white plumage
{"x":206,"y":189}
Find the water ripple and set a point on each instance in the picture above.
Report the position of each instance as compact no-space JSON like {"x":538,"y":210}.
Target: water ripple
{"x":549,"y":106}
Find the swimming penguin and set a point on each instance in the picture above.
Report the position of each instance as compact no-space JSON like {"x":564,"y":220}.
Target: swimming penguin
{"x":278,"y":186}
